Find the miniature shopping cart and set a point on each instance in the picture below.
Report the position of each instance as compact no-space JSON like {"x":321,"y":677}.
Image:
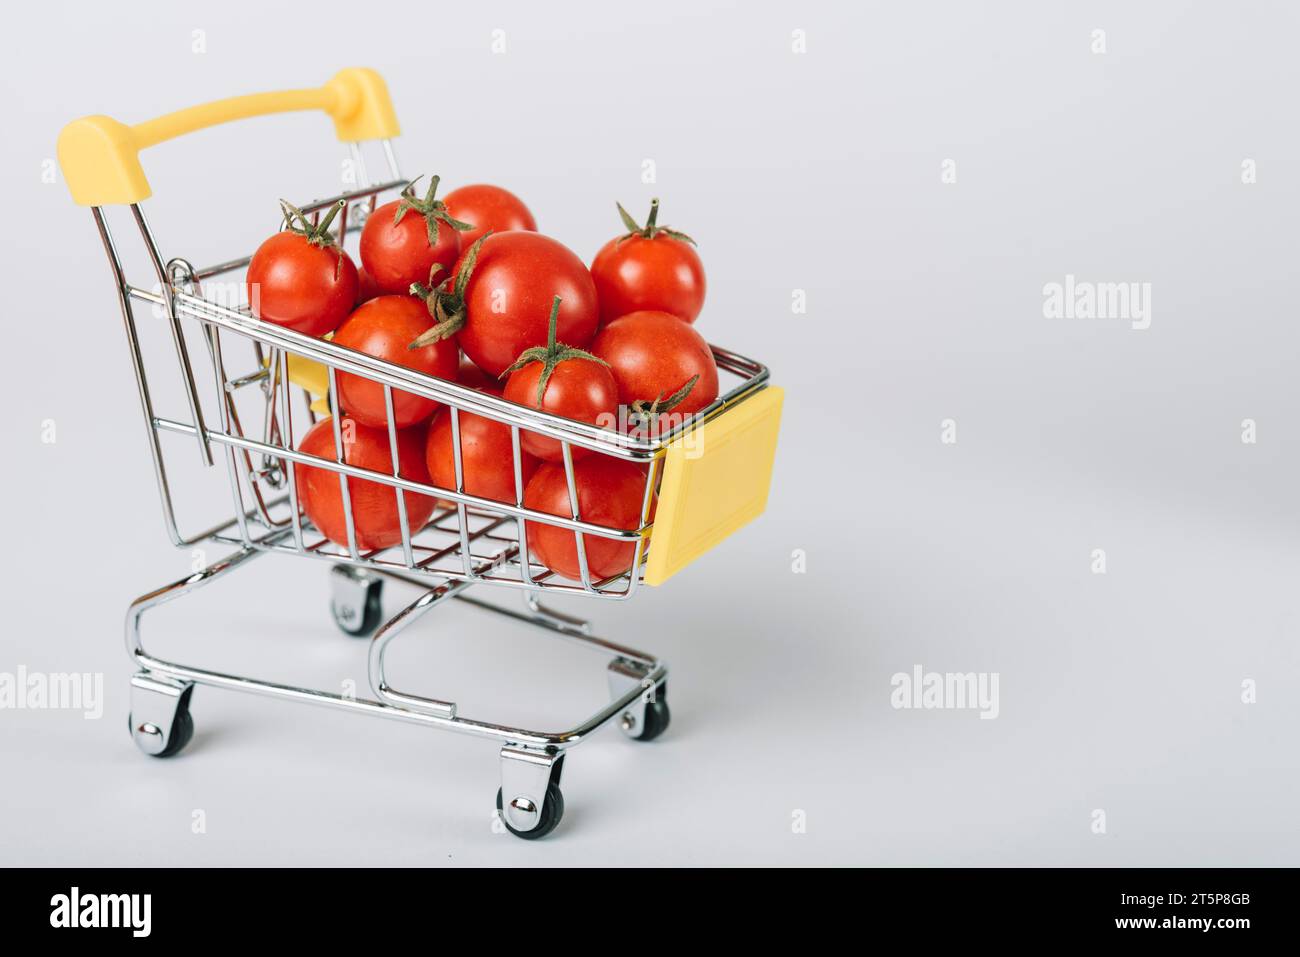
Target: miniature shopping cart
{"x":269,"y":384}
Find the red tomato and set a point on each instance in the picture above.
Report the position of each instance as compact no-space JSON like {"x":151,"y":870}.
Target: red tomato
{"x":649,"y":268}
{"x":474,"y":377}
{"x":374,"y":505}
{"x":653,"y":355}
{"x":577,"y":389}
{"x":366,"y":288}
{"x":383,"y":328}
{"x":500,"y":299}
{"x":486,"y":457}
{"x":488,"y":208}
{"x":403,"y":240}
{"x":610,"y":493}
{"x":300,"y":279}
{"x":577,"y":386}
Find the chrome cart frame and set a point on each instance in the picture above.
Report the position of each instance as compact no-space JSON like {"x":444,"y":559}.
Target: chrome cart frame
{"x":260,"y":402}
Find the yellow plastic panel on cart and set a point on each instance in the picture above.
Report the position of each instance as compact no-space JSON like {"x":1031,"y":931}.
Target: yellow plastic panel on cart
{"x":309,"y":374}
{"x":100,"y":157}
{"x":315,"y":378}
{"x":715,"y":481}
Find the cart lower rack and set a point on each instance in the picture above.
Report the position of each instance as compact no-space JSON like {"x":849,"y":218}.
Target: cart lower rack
{"x":709,"y":472}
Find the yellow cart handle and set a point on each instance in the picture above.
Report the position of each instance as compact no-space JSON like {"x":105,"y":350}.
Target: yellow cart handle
{"x":100,"y":157}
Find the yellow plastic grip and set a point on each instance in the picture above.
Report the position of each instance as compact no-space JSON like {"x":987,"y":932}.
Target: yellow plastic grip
{"x":715,"y":480}
{"x":100,"y":157}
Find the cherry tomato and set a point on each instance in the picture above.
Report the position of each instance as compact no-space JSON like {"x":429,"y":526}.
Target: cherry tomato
{"x":488,"y":208}
{"x":653,"y":355}
{"x":403,"y":240}
{"x":300,"y":279}
{"x":500,"y":298}
{"x":366,"y":288}
{"x":487,"y":457}
{"x":577,"y":386}
{"x":649,"y":267}
{"x":610,"y":493}
{"x":374,"y":506}
{"x":577,"y":389}
{"x":383,"y":328}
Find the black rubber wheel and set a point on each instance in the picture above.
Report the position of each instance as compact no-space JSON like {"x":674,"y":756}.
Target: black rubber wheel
{"x":371,"y":614}
{"x":552,"y":811}
{"x":181,"y":734}
{"x":657,"y":716}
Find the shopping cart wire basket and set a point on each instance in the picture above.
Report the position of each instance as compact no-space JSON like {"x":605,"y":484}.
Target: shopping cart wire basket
{"x":264,"y":385}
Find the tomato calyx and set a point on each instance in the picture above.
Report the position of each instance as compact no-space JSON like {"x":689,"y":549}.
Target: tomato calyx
{"x":316,"y":235}
{"x":551,"y":355}
{"x":647,"y":413}
{"x":433,"y":210}
{"x":651,"y":229}
{"x":446,"y":305}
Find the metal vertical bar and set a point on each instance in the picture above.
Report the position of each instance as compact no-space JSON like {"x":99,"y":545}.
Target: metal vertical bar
{"x":579,"y":540}
{"x":141,"y":380}
{"x":178,"y":334}
{"x":306,"y":404}
{"x":461,"y":515}
{"x":359,"y":163}
{"x":339,"y":457}
{"x":521,"y":526}
{"x":224,"y":399}
{"x":270,"y":428}
{"x":393,"y":171}
{"x":401,"y":496}
{"x":634,"y":575}
{"x":286,"y":434}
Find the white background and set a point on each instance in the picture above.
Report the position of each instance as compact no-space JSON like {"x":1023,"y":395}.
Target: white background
{"x":817,"y":171}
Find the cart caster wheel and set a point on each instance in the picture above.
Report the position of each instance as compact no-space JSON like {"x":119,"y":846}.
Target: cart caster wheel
{"x":182,"y":731}
{"x":356,"y":602}
{"x":552,"y":811}
{"x":653,"y":719}
{"x":654,"y":723}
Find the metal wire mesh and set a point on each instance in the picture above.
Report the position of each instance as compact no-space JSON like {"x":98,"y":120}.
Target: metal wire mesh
{"x":468,"y":538}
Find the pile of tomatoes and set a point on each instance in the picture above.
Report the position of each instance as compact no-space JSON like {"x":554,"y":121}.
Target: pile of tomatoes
{"x":465,"y":288}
